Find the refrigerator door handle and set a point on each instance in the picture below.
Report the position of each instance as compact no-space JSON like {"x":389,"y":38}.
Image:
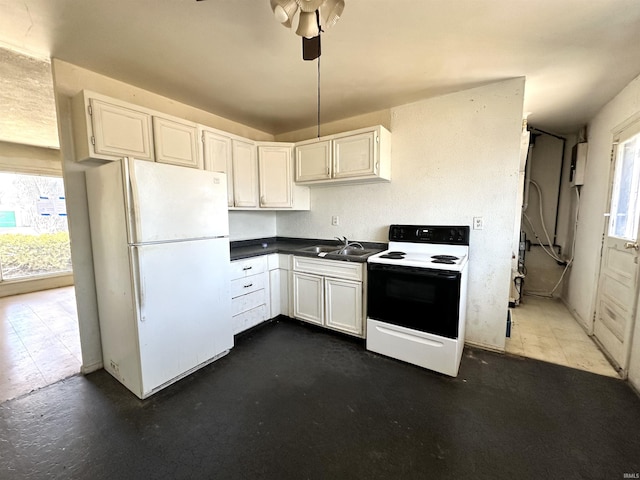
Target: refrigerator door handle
{"x":138,"y":290}
{"x":133,"y":199}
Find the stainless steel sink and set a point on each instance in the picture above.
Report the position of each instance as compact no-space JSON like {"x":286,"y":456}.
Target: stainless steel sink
{"x":319,"y":249}
{"x":354,"y":252}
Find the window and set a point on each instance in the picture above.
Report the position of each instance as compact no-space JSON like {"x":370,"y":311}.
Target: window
{"x":34,"y":235}
{"x":624,"y":200}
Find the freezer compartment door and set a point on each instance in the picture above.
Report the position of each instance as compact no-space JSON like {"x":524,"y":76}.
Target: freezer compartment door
{"x":184,"y":306}
{"x":167,"y":202}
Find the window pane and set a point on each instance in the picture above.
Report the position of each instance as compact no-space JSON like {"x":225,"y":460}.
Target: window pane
{"x":34,"y":236}
{"x":624,"y":203}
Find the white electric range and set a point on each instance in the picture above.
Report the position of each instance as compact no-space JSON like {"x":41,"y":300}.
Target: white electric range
{"x":416,"y":296}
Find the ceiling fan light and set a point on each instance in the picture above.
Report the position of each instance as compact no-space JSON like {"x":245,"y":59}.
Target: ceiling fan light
{"x":284,"y":11}
{"x":331,"y":11}
{"x":308,"y":25}
{"x":309,"y":5}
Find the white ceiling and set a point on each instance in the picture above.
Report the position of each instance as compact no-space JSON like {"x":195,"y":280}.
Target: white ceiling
{"x":232,"y":58}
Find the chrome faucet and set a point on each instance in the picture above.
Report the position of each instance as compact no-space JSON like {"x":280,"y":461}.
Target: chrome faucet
{"x":348,"y":244}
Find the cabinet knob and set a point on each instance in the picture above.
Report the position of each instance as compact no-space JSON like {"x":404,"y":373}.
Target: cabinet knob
{"x":250,"y":285}
{"x":247,"y":268}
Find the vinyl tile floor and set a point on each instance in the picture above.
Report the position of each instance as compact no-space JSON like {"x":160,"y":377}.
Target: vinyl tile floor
{"x":542,"y":328}
{"x":39,"y":340}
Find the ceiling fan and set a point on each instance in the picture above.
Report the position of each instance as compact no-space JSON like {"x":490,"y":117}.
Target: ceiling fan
{"x":314,"y":17}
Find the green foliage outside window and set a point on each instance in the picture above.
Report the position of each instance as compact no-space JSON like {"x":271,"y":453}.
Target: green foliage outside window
{"x":22,"y":255}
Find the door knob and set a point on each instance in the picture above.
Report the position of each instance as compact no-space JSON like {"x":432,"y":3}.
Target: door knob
{"x":633,"y":245}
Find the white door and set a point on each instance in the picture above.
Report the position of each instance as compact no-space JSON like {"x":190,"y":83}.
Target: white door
{"x":617,"y":296}
{"x":217,"y":158}
{"x":184,"y":306}
{"x":355,"y":156}
{"x":343,"y":305}
{"x":274,"y":169}
{"x":176,"y":143}
{"x":245,"y":174}
{"x":308,"y":297}
{"x":167,"y":203}
{"x":120,"y":131}
{"x":313,"y":161}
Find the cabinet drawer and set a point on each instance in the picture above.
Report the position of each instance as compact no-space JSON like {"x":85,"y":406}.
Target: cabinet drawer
{"x":249,"y":319}
{"x":248,"y":266}
{"x":242,"y":286}
{"x":329,"y":268}
{"x":249,"y":301}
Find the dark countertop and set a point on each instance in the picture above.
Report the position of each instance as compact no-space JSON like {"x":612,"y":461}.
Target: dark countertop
{"x":265,"y":246}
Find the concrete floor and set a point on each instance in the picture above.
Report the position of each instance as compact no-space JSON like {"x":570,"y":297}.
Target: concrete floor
{"x":294,"y":401}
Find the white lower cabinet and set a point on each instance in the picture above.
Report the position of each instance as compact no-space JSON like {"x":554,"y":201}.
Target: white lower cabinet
{"x":329,"y":293}
{"x":308,"y":297}
{"x":279,"y":284}
{"x":250,"y":295}
{"x":343,"y":301}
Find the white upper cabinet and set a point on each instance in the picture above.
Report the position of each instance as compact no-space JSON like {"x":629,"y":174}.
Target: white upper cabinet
{"x":176,"y":142}
{"x":217,"y":157}
{"x":313,"y":161}
{"x":359,"y":156}
{"x":355,"y":156}
{"x":274,"y":170}
{"x":108,"y":129}
{"x":245,"y":174}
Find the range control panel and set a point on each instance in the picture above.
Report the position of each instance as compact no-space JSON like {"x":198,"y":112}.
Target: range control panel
{"x":438,"y":234}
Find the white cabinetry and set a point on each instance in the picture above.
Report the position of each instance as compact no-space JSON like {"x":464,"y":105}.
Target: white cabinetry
{"x":275,"y":171}
{"x":308,"y":297}
{"x":329,"y":293}
{"x":359,"y":156}
{"x":279,"y":283}
{"x":313,"y":161}
{"x":217,"y":157}
{"x":343,"y":299}
{"x":108,"y":129}
{"x":245,"y":174}
{"x":355,"y":156}
{"x":250,"y":297}
{"x":176,"y":142}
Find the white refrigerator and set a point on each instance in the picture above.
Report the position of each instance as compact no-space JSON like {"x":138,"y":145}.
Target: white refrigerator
{"x":160,"y":239}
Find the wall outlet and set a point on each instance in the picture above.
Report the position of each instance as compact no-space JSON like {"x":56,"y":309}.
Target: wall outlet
{"x":478,"y":223}
{"x":335,"y":220}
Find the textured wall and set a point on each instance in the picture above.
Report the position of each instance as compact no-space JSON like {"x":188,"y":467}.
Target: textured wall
{"x":453,"y":158}
{"x":245,"y":225}
{"x":583,"y":277}
{"x":27,"y":107}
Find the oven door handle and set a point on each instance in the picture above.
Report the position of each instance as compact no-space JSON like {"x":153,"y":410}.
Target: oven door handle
{"x":417,"y":271}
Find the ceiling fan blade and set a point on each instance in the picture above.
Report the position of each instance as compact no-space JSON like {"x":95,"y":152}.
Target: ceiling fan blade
{"x":311,"y":48}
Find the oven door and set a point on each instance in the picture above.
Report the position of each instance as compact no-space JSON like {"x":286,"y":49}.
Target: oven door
{"x":417,"y":298}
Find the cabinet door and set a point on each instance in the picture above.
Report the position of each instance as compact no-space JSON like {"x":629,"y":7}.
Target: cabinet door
{"x":245,"y":174}
{"x":355,"y":156}
{"x":313,"y":161}
{"x":343,"y":305}
{"x":275,"y":291}
{"x":274,"y":168}
{"x":308,"y":297}
{"x":176,"y":142}
{"x":120,"y":132}
{"x":217,"y":158}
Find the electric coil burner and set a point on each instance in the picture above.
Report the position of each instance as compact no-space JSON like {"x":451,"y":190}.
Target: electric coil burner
{"x":416,"y":294}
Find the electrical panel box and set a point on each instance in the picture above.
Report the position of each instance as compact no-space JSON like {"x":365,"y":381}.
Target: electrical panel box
{"x":578,"y":164}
